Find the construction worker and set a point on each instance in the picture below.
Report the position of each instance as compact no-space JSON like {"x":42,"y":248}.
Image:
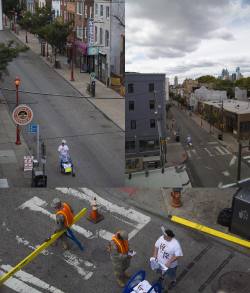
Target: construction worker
{"x":64,"y":218}
{"x":120,"y":256}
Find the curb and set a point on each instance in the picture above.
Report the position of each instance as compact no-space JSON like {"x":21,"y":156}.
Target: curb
{"x":51,"y":67}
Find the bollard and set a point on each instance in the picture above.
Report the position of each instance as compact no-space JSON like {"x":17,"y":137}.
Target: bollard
{"x":176,"y":198}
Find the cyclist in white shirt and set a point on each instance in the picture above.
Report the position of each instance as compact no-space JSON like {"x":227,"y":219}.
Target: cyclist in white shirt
{"x":167,"y":251}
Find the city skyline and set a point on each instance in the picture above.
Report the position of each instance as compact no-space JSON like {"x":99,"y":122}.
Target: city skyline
{"x":175,"y":38}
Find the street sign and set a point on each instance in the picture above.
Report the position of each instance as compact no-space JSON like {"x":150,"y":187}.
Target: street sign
{"x":92,"y":75}
{"x":33,"y":128}
{"x":22,"y":115}
{"x":28,"y":163}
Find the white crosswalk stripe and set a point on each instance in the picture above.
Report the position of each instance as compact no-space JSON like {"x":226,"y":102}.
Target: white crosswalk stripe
{"x":220,"y":151}
{"x":211,"y":151}
{"x":210,"y":154}
{"x":23,"y":281}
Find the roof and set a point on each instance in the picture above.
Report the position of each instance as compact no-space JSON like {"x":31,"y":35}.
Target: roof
{"x":234,"y":106}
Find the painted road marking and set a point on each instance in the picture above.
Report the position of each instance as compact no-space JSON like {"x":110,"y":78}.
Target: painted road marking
{"x":36,"y":204}
{"x":40,"y":248}
{"x":233,"y":161}
{"x":22,"y":281}
{"x":225,"y":173}
{"x":133,"y":217}
{"x":212,"y":142}
{"x":189,"y":154}
{"x":220,"y":185}
{"x":225,"y":150}
{"x":68,"y":257}
{"x":210,"y":154}
{"x":246,"y":158}
{"x":219,"y":150}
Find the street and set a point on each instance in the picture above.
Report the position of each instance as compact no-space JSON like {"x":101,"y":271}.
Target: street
{"x":27,"y":221}
{"x":96,"y":143}
{"x":209,"y":163}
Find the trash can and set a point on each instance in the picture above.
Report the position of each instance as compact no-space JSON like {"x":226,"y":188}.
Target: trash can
{"x":240,"y":224}
{"x":177,"y":137}
{"x":38,"y":179}
{"x":220,"y":136}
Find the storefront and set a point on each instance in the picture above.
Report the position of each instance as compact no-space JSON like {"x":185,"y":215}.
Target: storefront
{"x":92,"y":55}
{"x":81,"y":59}
{"x":101,"y":67}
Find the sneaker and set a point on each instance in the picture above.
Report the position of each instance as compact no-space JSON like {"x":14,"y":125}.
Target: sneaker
{"x":172,"y":285}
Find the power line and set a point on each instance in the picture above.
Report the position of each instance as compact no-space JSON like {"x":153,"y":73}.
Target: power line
{"x":61,"y":95}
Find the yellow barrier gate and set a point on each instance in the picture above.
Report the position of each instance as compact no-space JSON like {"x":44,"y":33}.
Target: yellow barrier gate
{"x":43,"y":246}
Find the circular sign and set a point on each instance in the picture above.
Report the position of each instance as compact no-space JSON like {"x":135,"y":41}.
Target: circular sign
{"x":92,"y":75}
{"x":22,"y":115}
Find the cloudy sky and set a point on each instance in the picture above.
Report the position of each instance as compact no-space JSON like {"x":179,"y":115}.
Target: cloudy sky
{"x":188,"y":38}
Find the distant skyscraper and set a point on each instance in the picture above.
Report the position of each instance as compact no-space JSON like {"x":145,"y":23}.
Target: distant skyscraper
{"x":176,"y":81}
{"x":167,"y":88}
{"x":1,"y":16}
{"x":224,"y":74}
{"x":238,"y":74}
{"x":233,"y":76}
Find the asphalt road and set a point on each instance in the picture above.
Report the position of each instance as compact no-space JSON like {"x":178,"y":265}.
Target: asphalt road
{"x":96,"y":143}
{"x":26,"y":222}
{"x":209,"y":164}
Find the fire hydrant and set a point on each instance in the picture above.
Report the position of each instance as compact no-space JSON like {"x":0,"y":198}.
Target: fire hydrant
{"x":176,"y":198}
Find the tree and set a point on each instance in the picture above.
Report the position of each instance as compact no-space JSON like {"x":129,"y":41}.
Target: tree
{"x":56,"y":35}
{"x":206,"y":79}
{"x":26,"y":23}
{"x":8,"y":52}
{"x":9,"y":6}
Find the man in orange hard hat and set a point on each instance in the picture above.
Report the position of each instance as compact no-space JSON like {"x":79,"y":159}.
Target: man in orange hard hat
{"x":120,"y":256}
{"x":64,"y":218}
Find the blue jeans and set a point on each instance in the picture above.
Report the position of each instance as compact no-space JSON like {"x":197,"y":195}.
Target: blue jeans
{"x":171,"y":273}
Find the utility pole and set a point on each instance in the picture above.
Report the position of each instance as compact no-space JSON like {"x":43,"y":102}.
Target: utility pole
{"x":1,"y":16}
{"x":239,"y":159}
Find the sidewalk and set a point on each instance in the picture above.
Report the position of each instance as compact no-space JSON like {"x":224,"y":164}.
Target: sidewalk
{"x":110,"y":103}
{"x":11,"y":155}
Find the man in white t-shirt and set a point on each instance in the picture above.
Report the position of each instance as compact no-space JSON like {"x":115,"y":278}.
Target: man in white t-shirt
{"x":63,"y":149}
{"x":167,"y":251}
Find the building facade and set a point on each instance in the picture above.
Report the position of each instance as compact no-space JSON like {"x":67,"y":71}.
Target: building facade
{"x":145,"y":122}
{"x":109,"y":31}
{"x":240,"y":94}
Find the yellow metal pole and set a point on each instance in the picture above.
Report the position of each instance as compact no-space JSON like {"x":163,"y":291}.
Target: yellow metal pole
{"x":36,"y":252}
{"x":211,"y":231}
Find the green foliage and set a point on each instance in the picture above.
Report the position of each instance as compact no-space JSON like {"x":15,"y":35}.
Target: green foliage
{"x":243,"y":83}
{"x":206,"y":79}
{"x":26,"y":21}
{"x":8,"y":52}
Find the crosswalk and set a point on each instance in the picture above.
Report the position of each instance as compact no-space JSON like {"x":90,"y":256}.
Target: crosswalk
{"x":246,"y":159}
{"x":122,"y":216}
{"x":210,"y":150}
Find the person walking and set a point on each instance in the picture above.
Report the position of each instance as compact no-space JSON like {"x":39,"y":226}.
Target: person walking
{"x":120,"y":256}
{"x":167,"y":251}
{"x":64,"y":219}
{"x":63,"y":149}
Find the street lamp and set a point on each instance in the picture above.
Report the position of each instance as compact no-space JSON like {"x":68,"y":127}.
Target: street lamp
{"x":72,"y":57}
{"x":17,"y":83}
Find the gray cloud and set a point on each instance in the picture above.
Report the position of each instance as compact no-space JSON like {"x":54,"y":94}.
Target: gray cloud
{"x":181,"y":25}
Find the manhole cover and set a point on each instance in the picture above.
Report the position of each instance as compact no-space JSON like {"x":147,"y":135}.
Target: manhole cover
{"x":100,"y":255}
{"x":234,"y":282}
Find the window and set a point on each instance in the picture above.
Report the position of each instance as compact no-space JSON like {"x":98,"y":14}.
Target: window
{"x":85,"y":11}
{"x":152,"y":123}
{"x":79,"y":8}
{"x":130,"y":87}
{"x":130,"y":145}
{"x":151,"y":87}
{"x":91,"y":12}
{"x":95,"y":33}
{"x":148,"y":145}
{"x":133,"y":124}
{"x":101,"y":37}
{"x":85,"y":33}
{"x":151,"y":104}
{"x":107,"y":11}
{"x":79,"y":32}
{"x":96,"y":9}
{"x":131,"y":105}
{"x":106,"y":38}
{"x":101,"y":10}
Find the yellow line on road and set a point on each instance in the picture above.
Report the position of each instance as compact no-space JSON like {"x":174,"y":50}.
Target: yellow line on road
{"x":210,"y":231}
{"x":39,"y":249}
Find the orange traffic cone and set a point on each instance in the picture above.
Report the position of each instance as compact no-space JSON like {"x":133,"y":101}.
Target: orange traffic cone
{"x":176,"y":199}
{"x":94,"y":215}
